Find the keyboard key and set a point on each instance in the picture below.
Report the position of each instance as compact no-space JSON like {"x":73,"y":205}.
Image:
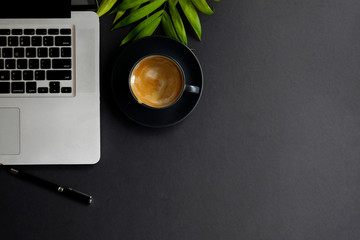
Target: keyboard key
{"x":54,"y":52}
{"x":45,"y":63}
{"x":22,"y":64}
{"x":3,"y":41}
{"x":48,"y":41}
{"x":43,"y":90}
{"x":31,"y":87}
{"x":16,"y":32}
{"x":19,"y":52}
{"x":53,"y":31}
{"x":65,"y":52}
{"x":24,"y":41}
{"x":5,"y":75}
{"x":40,"y":75}
{"x":10,"y":64}
{"x":63,"y":41}
{"x":28,"y":75}
{"x":4,"y":31}
{"x":66,"y":90}
{"x":61,"y":63}
{"x":42,"y":52}
{"x":36,"y":41}
{"x":7,"y":52}
{"x":58,"y":75}
{"x":4,"y":87}
{"x":13,"y":41}
{"x":54,"y":87}
{"x":17,"y":87}
{"x":29,"y":31}
{"x":34,"y":64}
{"x":30,"y":52}
{"x":65,"y":31}
{"x":41,"y":31}
{"x":16,"y":75}
{"x":2,"y":63}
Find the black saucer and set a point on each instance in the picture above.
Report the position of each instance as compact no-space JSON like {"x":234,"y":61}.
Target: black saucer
{"x":156,"y":46}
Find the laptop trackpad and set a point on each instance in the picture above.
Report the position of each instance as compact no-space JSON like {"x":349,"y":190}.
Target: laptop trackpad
{"x":9,"y":131}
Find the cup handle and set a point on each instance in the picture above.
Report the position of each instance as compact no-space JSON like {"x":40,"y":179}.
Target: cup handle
{"x":192,"y":89}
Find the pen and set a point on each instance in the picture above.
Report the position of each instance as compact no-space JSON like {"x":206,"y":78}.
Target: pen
{"x":65,"y":191}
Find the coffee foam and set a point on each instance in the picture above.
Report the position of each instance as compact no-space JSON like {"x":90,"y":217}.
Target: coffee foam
{"x":157,"y":81}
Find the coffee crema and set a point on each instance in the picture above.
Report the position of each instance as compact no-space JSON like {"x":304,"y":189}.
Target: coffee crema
{"x":157,"y":81}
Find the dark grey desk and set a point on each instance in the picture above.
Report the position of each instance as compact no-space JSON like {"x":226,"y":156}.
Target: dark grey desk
{"x":271,"y":152}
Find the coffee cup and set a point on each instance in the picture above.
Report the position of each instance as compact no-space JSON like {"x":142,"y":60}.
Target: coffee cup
{"x":158,"y":81}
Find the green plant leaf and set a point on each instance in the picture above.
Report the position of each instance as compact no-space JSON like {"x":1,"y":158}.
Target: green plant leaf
{"x":105,"y":6}
{"x":202,"y":6}
{"x":168,"y":26}
{"x":139,"y":14}
{"x":135,"y":8}
{"x":119,"y":14}
{"x":178,"y":23}
{"x":149,"y":30}
{"x":191,"y":14}
{"x":127,"y":4}
{"x":141,"y":26}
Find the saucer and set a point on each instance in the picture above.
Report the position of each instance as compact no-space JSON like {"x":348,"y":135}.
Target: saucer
{"x":156,"y":46}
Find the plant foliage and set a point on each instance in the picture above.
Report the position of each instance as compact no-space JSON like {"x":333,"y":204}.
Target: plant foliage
{"x":149,"y":14}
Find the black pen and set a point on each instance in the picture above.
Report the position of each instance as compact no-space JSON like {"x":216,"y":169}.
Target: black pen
{"x":66,"y":191}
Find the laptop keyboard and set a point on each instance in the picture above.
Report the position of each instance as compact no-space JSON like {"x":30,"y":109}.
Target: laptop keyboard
{"x":36,"y":62}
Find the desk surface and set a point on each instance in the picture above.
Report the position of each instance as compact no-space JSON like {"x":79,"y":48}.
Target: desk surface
{"x":271,"y":152}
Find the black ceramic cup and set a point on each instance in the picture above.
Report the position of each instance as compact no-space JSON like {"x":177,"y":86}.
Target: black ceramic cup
{"x":158,"y":81}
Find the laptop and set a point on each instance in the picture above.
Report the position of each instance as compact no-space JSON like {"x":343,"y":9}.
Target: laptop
{"x":49,"y":84}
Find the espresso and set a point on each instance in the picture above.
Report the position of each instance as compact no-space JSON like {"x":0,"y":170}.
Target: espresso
{"x":157,"y":81}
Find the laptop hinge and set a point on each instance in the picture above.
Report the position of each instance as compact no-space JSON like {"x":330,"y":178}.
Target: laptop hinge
{"x":36,"y":9}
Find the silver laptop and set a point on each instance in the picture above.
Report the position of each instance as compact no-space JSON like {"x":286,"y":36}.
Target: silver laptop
{"x":49,"y":90}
